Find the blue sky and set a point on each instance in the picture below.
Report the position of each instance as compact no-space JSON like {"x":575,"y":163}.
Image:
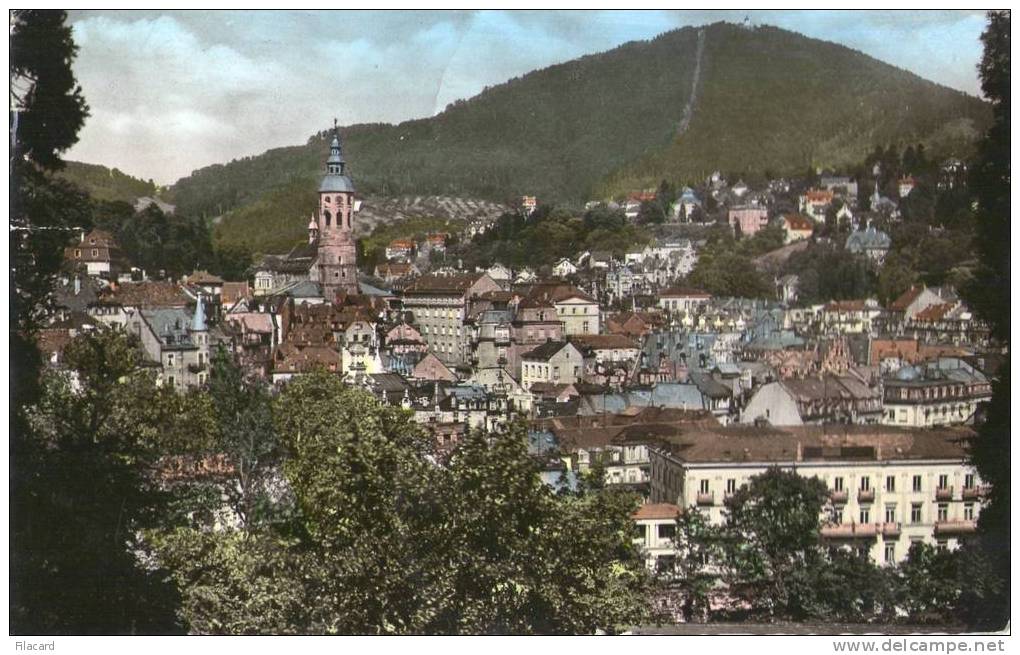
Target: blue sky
{"x":173,"y":91}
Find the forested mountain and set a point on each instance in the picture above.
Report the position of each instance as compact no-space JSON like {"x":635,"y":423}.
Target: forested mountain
{"x":683,"y":104}
{"x":108,"y":184}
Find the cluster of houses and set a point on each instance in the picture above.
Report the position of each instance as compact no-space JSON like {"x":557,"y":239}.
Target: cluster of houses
{"x":681,"y":397}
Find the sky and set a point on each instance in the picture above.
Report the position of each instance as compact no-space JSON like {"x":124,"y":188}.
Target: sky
{"x":172,"y":91}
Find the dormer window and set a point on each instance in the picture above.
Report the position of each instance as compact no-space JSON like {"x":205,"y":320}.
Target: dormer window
{"x":326,"y":199}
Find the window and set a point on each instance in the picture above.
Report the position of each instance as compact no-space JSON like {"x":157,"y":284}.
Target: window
{"x":968,"y":481}
{"x":890,"y":483}
{"x":731,"y":486}
{"x":170,"y":380}
{"x":865,"y":515}
{"x":665,"y":563}
{"x":704,"y":487}
{"x":95,"y":253}
{"x":890,"y":513}
{"x":837,"y":484}
{"x":639,"y":531}
{"x":917,"y":483}
{"x":865,"y":483}
{"x":915,"y":513}
{"x":837,"y":515}
{"x":890,"y":552}
{"x":170,"y":359}
{"x":942,"y":545}
{"x":667,"y":530}
{"x":968,"y":511}
{"x":943,"y":482}
{"x":943,"y":512}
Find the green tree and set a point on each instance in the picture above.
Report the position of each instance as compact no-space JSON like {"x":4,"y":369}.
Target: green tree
{"x":700,"y":550}
{"x":895,"y":277}
{"x":83,"y":491}
{"x":852,"y":589}
{"x":245,"y":433}
{"x":384,"y":539}
{"x":988,"y":295}
{"x":773,"y":549}
{"x":929,"y":585}
{"x":47,"y":110}
{"x":727,"y":273}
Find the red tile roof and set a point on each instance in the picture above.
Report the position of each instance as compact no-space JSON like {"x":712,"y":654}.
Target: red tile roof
{"x":799,"y":222}
{"x":652,"y":511}
{"x":819,"y":195}
{"x":553,"y":292}
{"x":146,"y":295}
{"x":907,"y":297}
{"x":934,"y":312}
{"x":845,"y":306}
{"x":234,"y":291}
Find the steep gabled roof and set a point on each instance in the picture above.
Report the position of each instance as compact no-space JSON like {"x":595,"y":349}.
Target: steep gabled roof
{"x":546,"y":351}
{"x":145,"y":294}
{"x":906,"y":298}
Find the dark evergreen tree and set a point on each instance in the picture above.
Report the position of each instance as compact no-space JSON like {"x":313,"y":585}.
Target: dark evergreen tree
{"x":989,"y":295}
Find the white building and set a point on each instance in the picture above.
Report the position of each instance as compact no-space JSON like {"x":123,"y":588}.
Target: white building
{"x":679,"y":299}
{"x":888,"y":487}
{"x":654,"y":529}
{"x":558,"y":362}
{"x":945,"y":392}
{"x":564,"y":267}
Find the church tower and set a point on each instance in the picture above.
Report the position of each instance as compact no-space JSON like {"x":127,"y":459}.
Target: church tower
{"x":337,"y":254}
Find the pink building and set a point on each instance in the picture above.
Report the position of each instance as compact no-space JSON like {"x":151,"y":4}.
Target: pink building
{"x":750,"y":219}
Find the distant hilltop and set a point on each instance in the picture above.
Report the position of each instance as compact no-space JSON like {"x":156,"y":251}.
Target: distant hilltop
{"x":676,"y":107}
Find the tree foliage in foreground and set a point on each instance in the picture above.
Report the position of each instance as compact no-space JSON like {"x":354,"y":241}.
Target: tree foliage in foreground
{"x":989,"y":295}
{"x":387,"y":541}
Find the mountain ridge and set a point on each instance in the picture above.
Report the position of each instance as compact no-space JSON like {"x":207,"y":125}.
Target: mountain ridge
{"x":767,"y":100}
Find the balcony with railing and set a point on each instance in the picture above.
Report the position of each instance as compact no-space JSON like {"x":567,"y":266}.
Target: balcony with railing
{"x":839,"y":497}
{"x":944,"y":493}
{"x":851,"y":531}
{"x":706,"y":498}
{"x":971,"y":493}
{"x":866,"y":496}
{"x":955,"y":527}
{"x":891,"y":529}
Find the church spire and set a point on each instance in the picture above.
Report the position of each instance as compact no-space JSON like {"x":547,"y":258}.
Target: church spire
{"x":335,"y":165}
{"x":198,"y":319}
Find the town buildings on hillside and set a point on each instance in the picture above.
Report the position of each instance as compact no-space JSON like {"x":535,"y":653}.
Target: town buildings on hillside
{"x":612,"y":359}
